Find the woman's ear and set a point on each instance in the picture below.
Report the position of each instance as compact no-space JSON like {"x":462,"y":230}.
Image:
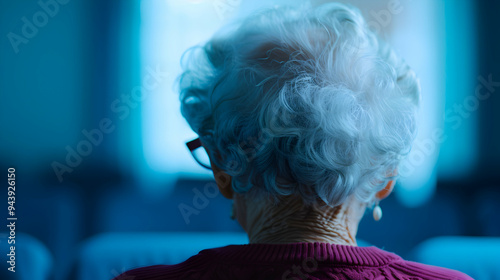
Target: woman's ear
{"x":223,"y":181}
{"x":385,"y":192}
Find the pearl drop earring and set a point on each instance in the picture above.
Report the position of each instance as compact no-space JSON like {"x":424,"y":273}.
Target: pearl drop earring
{"x":377,"y":212}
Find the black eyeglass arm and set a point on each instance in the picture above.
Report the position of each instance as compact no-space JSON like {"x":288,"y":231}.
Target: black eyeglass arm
{"x":194,"y":144}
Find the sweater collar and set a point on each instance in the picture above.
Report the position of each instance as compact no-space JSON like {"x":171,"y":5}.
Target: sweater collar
{"x":321,"y":252}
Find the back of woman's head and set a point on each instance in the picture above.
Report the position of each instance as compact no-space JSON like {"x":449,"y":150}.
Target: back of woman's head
{"x":302,"y":101}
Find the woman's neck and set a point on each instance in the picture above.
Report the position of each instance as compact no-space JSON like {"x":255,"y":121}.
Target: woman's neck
{"x":291,"y":221}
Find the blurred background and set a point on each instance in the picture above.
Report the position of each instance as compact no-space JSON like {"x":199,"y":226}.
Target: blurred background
{"x":90,"y":121}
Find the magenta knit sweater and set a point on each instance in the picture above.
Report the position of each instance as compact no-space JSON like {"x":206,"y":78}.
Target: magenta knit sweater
{"x":293,"y":261}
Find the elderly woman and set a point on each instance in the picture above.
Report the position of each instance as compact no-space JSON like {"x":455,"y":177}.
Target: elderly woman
{"x":305,"y":115}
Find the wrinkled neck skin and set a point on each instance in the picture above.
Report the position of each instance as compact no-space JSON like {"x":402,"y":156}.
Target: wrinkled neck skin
{"x":290,"y":221}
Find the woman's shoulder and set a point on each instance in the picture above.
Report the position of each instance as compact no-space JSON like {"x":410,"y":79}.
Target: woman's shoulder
{"x":193,"y":268}
{"x":388,"y":263}
{"x":424,"y":271}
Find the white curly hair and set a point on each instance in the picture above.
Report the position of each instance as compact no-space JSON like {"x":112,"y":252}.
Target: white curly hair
{"x":300,"y":100}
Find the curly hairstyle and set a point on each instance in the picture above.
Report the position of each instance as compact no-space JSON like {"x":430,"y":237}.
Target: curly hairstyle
{"x":304,"y":101}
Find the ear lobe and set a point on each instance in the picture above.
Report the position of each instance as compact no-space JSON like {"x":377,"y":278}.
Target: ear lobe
{"x":385,"y":192}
